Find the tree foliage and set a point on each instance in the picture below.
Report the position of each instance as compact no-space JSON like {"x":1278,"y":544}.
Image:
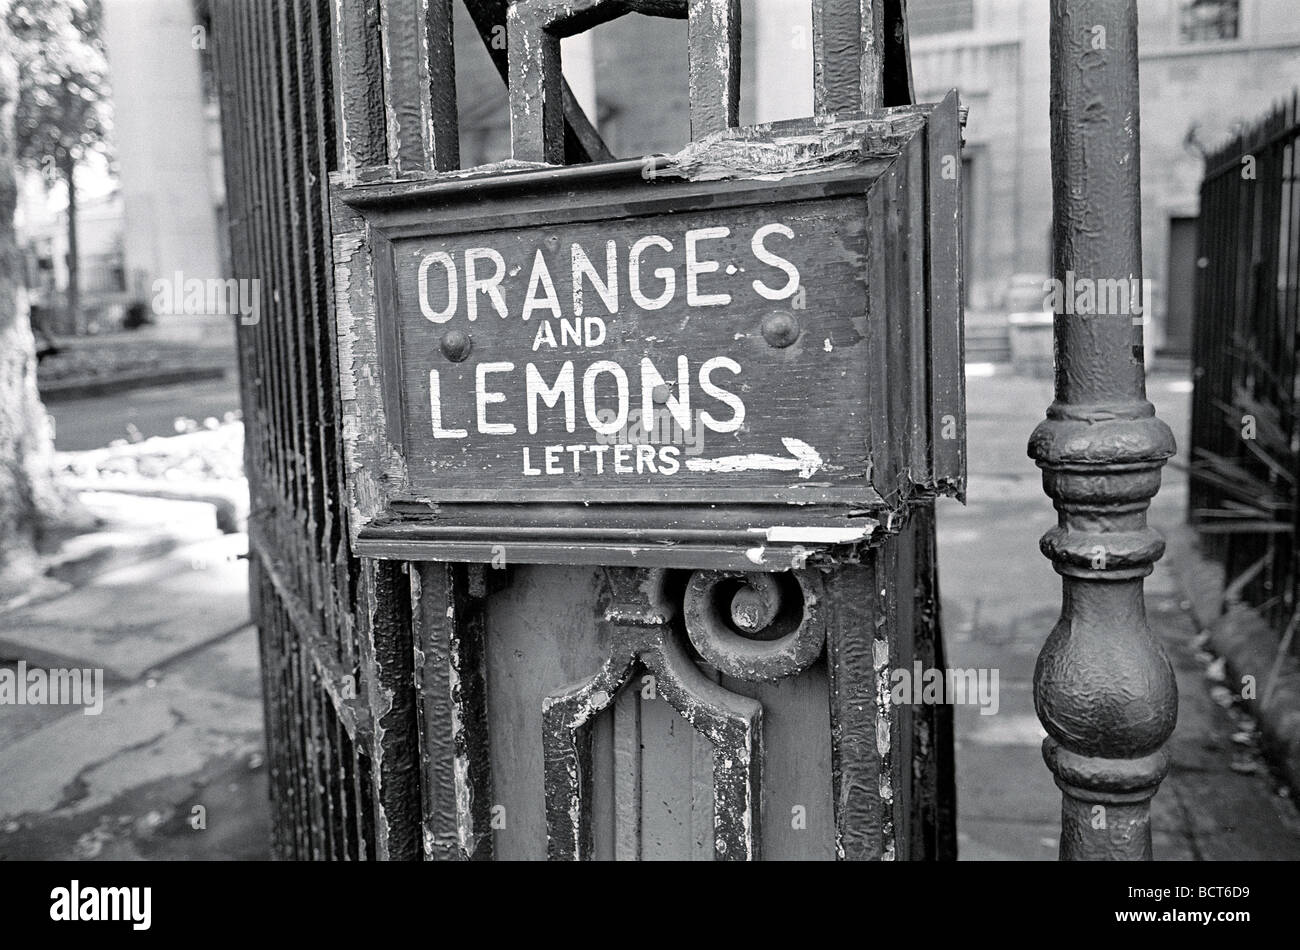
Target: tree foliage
{"x":63,"y":100}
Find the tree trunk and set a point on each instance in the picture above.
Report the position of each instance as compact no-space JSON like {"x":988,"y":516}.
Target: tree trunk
{"x":28,"y":496}
{"x":75,"y":317}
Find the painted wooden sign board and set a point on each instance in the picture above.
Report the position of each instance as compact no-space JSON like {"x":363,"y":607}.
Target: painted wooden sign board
{"x":746,"y":352}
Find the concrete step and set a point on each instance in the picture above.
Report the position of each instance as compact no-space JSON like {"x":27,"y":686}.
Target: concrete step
{"x":989,"y":354}
{"x":988,"y":344}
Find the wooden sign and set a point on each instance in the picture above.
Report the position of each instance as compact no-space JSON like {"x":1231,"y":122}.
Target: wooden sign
{"x":747,"y":351}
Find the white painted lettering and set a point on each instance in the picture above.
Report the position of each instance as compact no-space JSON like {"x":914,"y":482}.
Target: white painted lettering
{"x":767,"y":257}
{"x":422,"y":279}
{"x":665,"y":274}
{"x":535,"y":386}
{"x":731,"y":399}
{"x":488,"y":285}
{"x":695,"y":267}
{"x":435,"y":410}
{"x":483,"y":398}
{"x":589,"y":396}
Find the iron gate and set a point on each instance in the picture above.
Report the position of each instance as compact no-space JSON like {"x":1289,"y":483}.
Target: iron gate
{"x":1244,"y":443}
{"x":383,"y":742}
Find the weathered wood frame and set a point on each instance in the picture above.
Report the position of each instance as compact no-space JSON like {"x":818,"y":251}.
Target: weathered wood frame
{"x":897,"y":161}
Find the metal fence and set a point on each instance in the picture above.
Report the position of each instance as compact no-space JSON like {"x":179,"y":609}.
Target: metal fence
{"x":275,"y":66}
{"x":1245,"y":440}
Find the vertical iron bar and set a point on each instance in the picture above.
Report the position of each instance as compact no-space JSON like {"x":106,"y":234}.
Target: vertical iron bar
{"x":358,"y":62}
{"x":314,"y":266}
{"x":389,"y":672}
{"x":848,"y":59}
{"x":713,"y":33}
{"x":298,"y":301}
{"x":1103,"y":687}
{"x":536,"y":105}
{"x":265,"y":418}
{"x":582,"y":143}
{"x":334,"y":551}
{"x":419,"y":85}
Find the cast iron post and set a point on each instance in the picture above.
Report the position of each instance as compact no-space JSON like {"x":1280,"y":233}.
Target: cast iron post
{"x":1103,"y":688}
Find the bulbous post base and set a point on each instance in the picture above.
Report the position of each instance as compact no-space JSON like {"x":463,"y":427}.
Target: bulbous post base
{"x":1105,"y":803}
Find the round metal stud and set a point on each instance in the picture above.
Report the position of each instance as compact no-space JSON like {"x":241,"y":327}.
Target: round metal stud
{"x":780,"y":329}
{"x":455,"y":345}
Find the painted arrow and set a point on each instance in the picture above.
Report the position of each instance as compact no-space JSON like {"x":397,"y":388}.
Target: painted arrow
{"x":803,"y":459}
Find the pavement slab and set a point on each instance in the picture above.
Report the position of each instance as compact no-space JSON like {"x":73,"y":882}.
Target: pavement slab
{"x":174,"y":767}
{"x":139,"y":616}
{"x":146,"y":731}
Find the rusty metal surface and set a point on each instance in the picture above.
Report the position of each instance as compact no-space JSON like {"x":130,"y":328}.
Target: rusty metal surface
{"x":756,"y":626}
{"x":643,"y":637}
{"x":420,"y":88}
{"x":713,"y":33}
{"x":860,"y":55}
{"x":450,"y":691}
{"x":582,"y":143}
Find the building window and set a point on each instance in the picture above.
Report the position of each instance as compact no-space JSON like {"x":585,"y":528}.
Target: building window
{"x":1204,"y":21}
{"x":925,"y":17}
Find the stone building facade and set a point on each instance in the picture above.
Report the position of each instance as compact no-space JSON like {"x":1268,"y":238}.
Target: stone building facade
{"x":1207,"y":66}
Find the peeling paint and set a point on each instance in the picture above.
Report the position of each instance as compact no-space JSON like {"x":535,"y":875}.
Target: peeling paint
{"x":814,"y":535}
{"x":770,"y":153}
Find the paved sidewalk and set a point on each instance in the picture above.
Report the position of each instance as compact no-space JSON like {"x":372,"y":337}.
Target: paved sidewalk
{"x":1000,"y":600}
{"x":173,"y":765}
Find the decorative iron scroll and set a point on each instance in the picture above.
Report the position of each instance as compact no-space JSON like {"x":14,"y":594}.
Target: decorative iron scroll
{"x":753,"y":626}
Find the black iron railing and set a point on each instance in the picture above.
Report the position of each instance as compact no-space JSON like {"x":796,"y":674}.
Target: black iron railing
{"x":1245,"y":444}
{"x":275,"y":73}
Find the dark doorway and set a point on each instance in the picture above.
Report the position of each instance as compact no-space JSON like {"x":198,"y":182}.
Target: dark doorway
{"x":1181,"y":283}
